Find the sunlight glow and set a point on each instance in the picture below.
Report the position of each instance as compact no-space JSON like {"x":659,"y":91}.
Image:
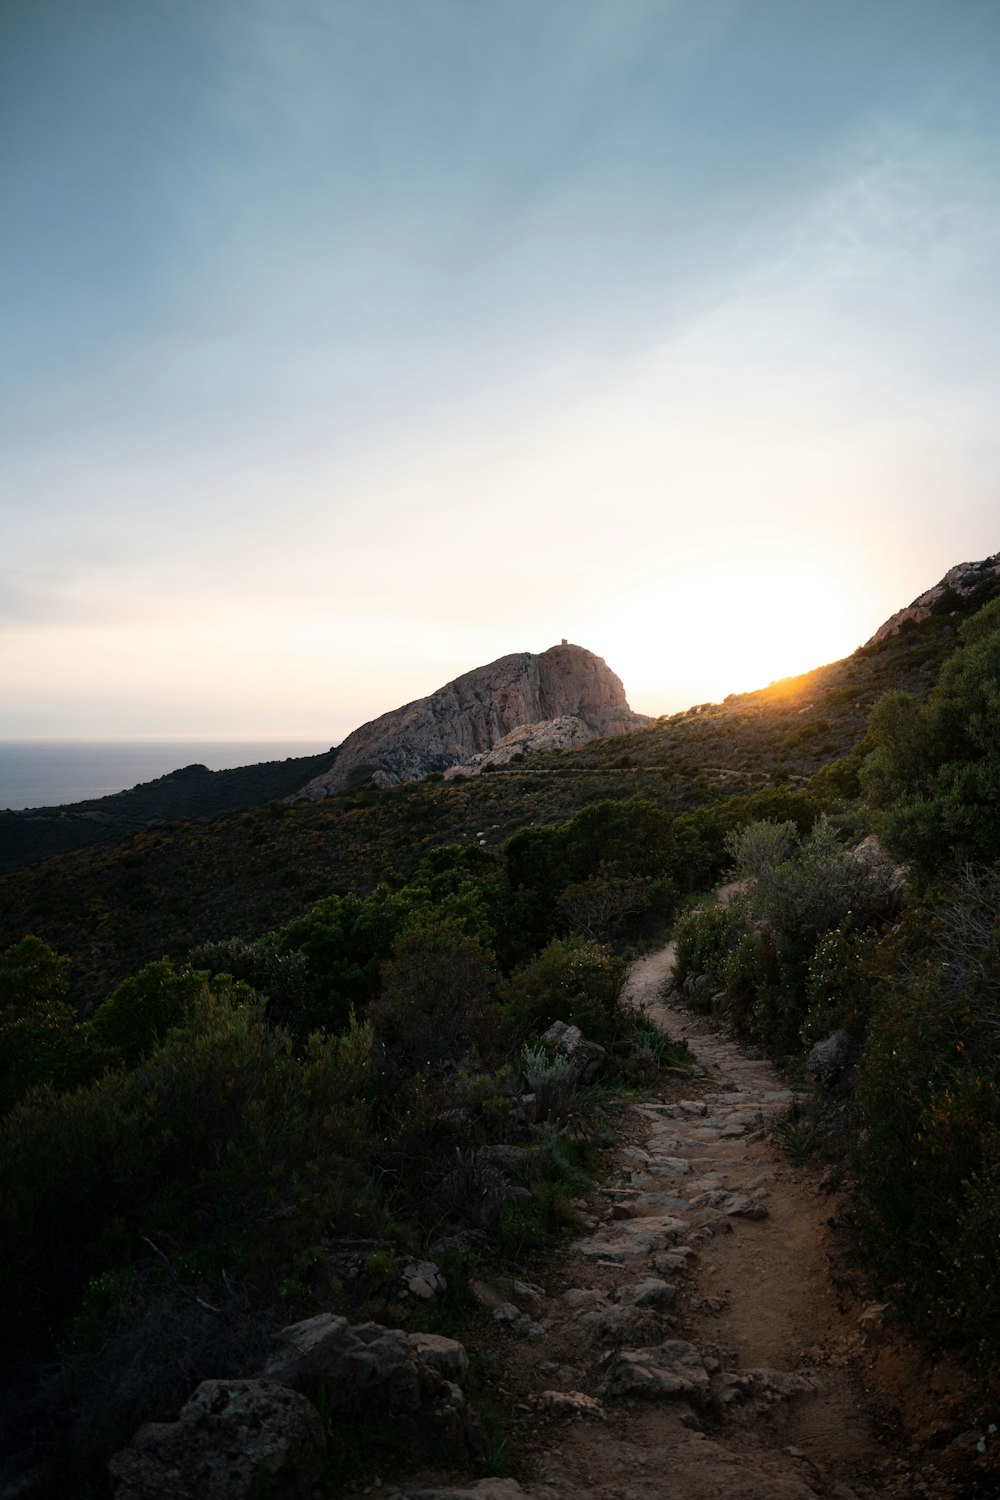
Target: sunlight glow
{"x":732,"y":628}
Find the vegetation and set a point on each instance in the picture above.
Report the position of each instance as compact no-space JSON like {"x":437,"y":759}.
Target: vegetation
{"x":228,"y":1048}
{"x":807,"y":949}
{"x":191,"y":792}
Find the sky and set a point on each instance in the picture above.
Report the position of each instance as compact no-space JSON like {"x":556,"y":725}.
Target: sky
{"x":347,"y":345}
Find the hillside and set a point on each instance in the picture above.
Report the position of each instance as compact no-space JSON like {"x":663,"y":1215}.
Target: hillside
{"x":168,"y":888}
{"x":383,"y":1119}
{"x":190,"y":792}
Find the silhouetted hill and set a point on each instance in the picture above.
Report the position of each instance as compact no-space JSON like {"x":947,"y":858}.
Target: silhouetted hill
{"x":190,"y":792}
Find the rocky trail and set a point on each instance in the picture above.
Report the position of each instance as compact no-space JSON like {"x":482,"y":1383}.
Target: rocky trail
{"x":691,"y":1345}
{"x":696,"y":1341}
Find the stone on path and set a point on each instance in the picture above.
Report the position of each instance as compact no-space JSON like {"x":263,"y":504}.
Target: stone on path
{"x":630,"y":1239}
{"x":667,"y":1370}
{"x":486,"y":1489}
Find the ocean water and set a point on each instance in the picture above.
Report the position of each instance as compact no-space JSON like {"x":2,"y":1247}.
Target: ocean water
{"x":48,"y":773}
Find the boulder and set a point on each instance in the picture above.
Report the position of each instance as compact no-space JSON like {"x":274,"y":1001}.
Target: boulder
{"x":353,"y":1363}
{"x":650,"y":1292}
{"x":446,"y":1356}
{"x":518,"y":1322}
{"x":585,"y":1059}
{"x":567,"y":1404}
{"x":598,"y":1321}
{"x":395,"y":1379}
{"x":832,"y":1060}
{"x":231,"y":1440}
{"x":423,"y":1280}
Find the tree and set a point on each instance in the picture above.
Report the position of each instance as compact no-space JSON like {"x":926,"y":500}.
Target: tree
{"x":933,"y":779}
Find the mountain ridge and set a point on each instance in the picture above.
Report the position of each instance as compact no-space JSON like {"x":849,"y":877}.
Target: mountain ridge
{"x":477,"y":711}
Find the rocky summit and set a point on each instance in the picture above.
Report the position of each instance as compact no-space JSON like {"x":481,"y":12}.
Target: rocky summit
{"x":957,"y":585}
{"x":482,"y":714}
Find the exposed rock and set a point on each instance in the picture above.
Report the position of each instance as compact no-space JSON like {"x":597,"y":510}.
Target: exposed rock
{"x":423,"y":1280}
{"x":550,"y":734}
{"x":384,"y":1371}
{"x":487,"y":1296}
{"x":601,"y":1322}
{"x":228,"y":1437}
{"x":741,"y":1206}
{"x":585,"y":1059}
{"x":831,"y":1060}
{"x":871,"y":853}
{"x":568,"y":1404}
{"x":445,"y":1355}
{"x":666,"y":1370}
{"x":486,"y":1489}
{"x":651,"y":1292}
{"x":769,"y":1385}
{"x":957,"y":584}
{"x":518,"y":1322}
{"x":476,"y":712}
{"x":633,"y":1238}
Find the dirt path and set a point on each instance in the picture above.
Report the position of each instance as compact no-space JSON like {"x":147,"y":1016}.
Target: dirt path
{"x":690,"y":1346}
{"x":701,"y":1318}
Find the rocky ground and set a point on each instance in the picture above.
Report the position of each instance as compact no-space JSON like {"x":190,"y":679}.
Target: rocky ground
{"x":692,"y":1343}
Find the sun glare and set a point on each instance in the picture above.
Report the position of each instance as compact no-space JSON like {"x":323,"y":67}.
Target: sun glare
{"x":731,"y":630}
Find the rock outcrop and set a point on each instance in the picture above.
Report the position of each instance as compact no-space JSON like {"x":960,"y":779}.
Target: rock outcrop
{"x":957,"y":584}
{"x":232,"y":1441}
{"x":239,"y":1439}
{"x":481,"y":710}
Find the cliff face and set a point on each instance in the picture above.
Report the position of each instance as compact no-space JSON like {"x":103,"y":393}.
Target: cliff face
{"x":958,"y":583}
{"x":474,"y":713}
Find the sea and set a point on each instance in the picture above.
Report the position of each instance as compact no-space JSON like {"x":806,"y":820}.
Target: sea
{"x":49,"y":773}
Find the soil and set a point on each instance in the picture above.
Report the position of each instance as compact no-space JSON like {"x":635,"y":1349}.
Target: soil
{"x":762,"y":1375}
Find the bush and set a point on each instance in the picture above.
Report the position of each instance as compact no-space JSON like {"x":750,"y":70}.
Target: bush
{"x":609,"y":907}
{"x":283,"y":977}
{"x":439,"y":997}
{"x":703,"y":939}
{"x":220,"y":1148}
{"x":40,"y":1041}
{"x":30,"y":974}
{"x":933,"y":778}
{"x":762,"y":947}
{"x":929,"y":1097}
{"x":573,"y":980}
{"x":838,"y":986}
{"x":143,"y":1010}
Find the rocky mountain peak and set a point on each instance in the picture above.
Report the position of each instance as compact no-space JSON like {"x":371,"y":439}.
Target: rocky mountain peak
{"x":956,"y":585}
{"x":478,"y":711}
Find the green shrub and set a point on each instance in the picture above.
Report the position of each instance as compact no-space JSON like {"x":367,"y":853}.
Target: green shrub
{"x":144,"y":1009}
{"x":40,"y":1041}
{"x":219,"y":1147}
{"x":762,"y":946}
{"x":573,"y":980}
{"x":283,"y":977}
{"x":929,"y":1099}
{"x":838,"y":984}
{"x":439,"y":996}
{"x":30,"y":974}
{"x":933,"y":777}
{"x":703,"y":939}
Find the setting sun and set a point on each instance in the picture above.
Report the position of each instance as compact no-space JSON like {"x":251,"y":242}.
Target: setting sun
{"x":732,"y":627}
